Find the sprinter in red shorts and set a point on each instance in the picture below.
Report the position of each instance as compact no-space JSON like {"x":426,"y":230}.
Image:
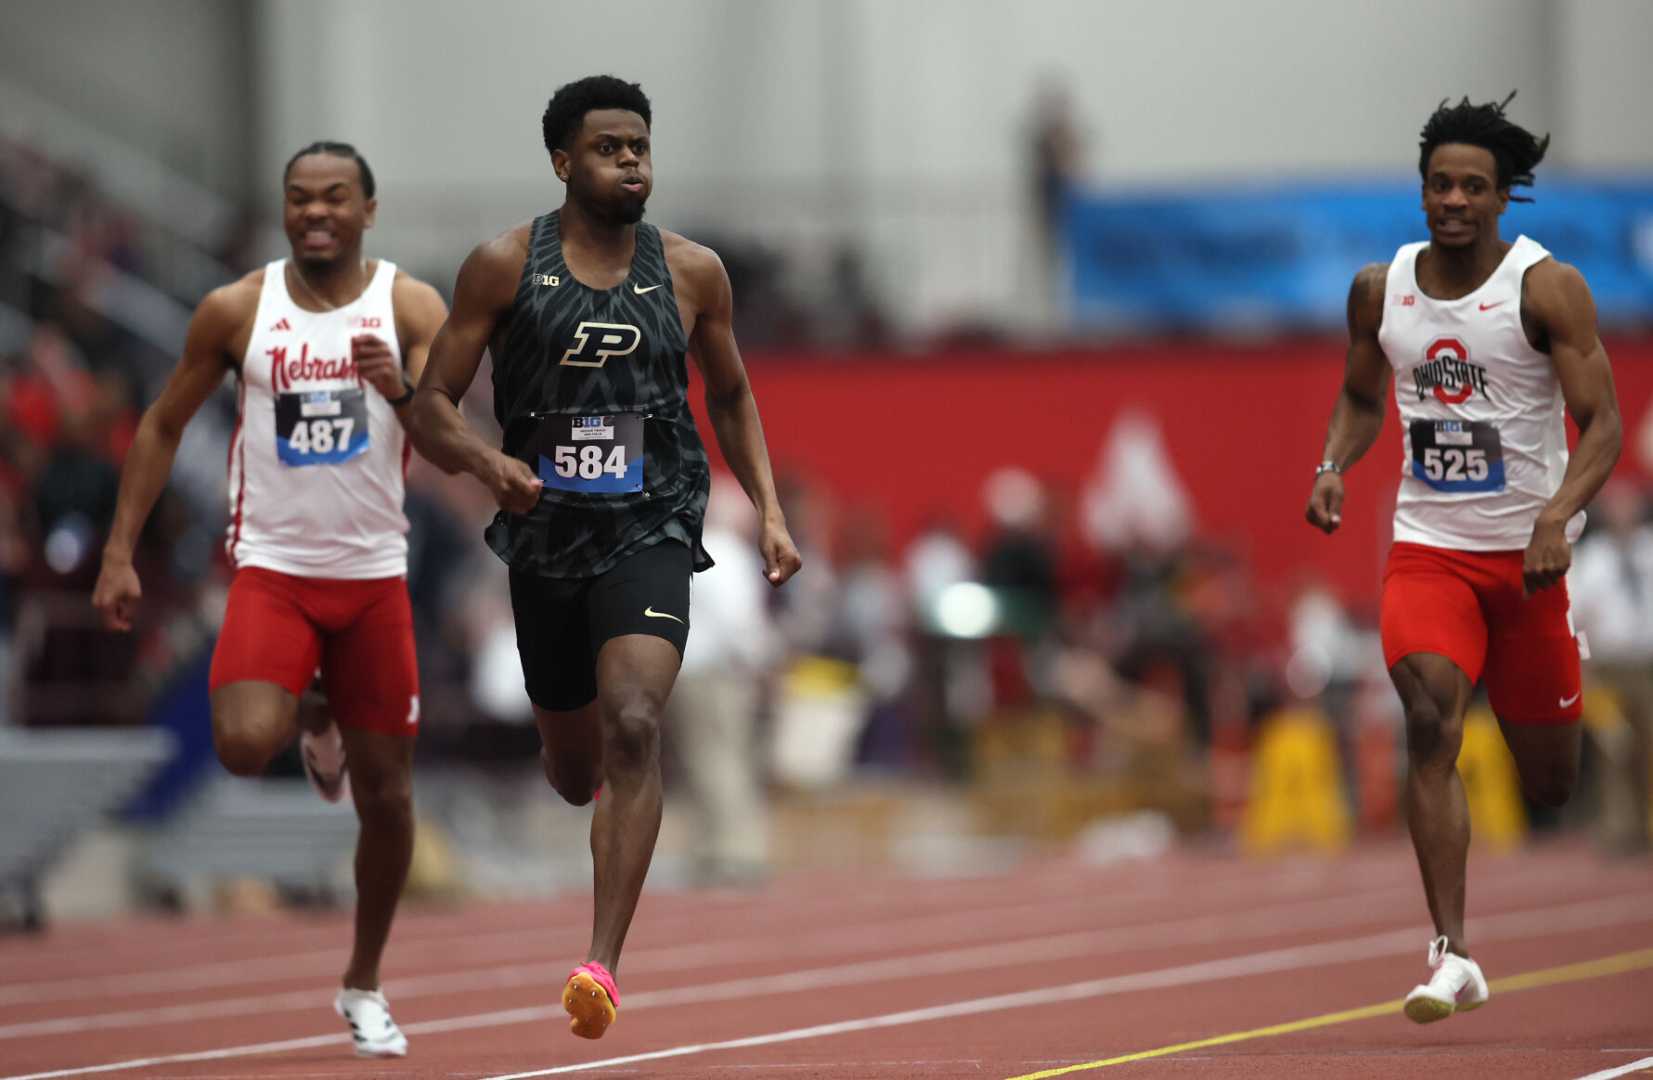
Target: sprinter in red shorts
{"x":1488,"y":342}
{"x":326,"y":347}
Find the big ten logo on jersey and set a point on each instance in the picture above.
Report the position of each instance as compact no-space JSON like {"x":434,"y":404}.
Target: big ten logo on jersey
{"x":1448,"y":374}
{"x":596,"y":342}
{"x":367,"y":322}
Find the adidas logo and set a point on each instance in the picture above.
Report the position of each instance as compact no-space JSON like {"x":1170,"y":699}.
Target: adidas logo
{"x":280,"y":326}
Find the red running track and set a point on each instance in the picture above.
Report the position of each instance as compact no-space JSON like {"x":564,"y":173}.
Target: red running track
{"x":1057,"y":965}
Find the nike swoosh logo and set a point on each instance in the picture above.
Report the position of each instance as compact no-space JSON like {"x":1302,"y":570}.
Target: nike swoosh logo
{"x":1489,"y":307}
{"x":653,"y":614}
{"x":1567,"y":702}
{"x":639,"y":290}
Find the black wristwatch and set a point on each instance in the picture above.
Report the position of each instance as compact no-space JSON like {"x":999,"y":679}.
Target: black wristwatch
{"x":1327,"y":467}
{"x":407,"y":394}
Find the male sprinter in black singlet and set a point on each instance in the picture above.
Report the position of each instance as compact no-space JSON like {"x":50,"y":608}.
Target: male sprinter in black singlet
{"x":603,"y":479}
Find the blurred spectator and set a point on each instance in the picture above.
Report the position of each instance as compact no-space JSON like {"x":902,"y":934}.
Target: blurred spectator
{"x":847,"y":312}
{"x":13,"y":557}
{"x":712,"y":716}
{"x":1057,"y":156}
{"x":1020,"y":551}
{"x":1612,"y":585}
{"x":937,"y":558}
{"x":871,"y":632}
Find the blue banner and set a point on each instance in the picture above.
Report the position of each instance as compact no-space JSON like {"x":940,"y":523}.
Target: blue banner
{"x":1282,"y":256}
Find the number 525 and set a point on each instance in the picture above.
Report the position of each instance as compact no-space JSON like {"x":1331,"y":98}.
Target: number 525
{"x":1454,"y":463}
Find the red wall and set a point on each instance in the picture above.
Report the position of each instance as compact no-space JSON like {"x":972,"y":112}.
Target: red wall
{"x":916,"y":434}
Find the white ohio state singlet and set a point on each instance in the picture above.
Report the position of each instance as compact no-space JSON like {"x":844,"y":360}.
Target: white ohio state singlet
{"x":318,"y":458}
{"x":1480,"y":408}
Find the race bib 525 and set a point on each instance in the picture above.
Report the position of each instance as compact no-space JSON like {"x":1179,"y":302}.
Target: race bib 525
{"x":1457,"y":455}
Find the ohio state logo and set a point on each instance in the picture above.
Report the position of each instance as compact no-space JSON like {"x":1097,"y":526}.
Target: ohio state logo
{"x":1448,"y":374}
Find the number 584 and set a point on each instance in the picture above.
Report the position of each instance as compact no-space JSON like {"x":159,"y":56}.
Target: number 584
{"x":589,"y":463}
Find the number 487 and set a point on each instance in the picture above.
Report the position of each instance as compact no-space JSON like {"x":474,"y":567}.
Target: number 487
{"x":322,"y":436}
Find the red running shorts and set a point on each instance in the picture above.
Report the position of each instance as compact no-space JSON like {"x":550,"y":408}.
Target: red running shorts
{"x":1471,"y":607}
{"x":280,"y":628}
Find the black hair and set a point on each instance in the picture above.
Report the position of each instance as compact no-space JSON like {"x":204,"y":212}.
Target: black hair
{"x":335,"y":149}
{"x":1516,"y":150}
{"x":567,"y":108}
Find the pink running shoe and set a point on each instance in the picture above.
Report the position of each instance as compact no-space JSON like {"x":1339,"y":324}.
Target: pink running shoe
{"x":591,"y":999}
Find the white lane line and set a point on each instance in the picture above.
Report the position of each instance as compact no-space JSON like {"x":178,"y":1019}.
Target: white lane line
{"x":511,"y":944}
{"x":1610,"y":911}
{"x":1273,"y":961}
{"x":905,"y":933}
{"x":1623,"y":1070}
{"x":508,"y":944}
{"x":505,"y":944}
{"x":1308,"y":914}
{"x":415,"y":930}
{"x":1203,"y":929}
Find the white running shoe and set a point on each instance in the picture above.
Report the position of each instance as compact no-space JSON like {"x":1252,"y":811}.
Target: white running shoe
{"x":324,"y":765}
{"x":368,"y":1015}
{"x":1456,"y":986}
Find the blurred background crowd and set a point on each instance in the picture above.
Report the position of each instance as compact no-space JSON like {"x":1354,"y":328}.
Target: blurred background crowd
{"x":1042,"y":315}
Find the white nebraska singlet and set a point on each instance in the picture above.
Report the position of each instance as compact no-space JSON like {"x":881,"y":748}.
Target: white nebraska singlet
{"x":1480,"y":408}
{"x":318,"y":458}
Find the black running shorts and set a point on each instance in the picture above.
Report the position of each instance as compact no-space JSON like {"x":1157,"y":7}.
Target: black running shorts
{"x":563,"y":624}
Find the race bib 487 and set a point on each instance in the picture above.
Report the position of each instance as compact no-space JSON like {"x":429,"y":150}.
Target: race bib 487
{"x":321,"y":427}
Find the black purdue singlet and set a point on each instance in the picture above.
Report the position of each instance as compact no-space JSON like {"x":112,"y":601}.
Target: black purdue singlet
{"x":583,"y":380}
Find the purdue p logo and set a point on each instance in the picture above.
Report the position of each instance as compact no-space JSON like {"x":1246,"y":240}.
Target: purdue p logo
{"x":595,"y":342}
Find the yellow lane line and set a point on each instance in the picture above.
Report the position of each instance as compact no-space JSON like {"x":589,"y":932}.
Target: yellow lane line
{"x":1617,"y":964}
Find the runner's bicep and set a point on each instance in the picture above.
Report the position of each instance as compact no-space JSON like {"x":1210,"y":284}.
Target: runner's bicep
{"x":426,"y":315}
{"x":1576,"y":350}
{"x":456,"y":349}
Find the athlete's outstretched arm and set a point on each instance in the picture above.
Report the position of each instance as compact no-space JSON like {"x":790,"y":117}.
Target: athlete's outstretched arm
{"x":734,"y":411}
{"x":149,"y":462}
{"x":419,"y":315}
{"x":483,"y":293}
{"x":1358,"y":415}
{"x":1558,"y":299}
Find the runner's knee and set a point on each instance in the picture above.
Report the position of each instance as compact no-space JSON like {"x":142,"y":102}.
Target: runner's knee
{"x":1551,"y":786}
{"x":575,"y":781}
{"x":245,"y":745}
{"x":382,"y":794}
{"x":1433,"y":733}
{"x":631,"y":731}
{"x":242,"y":751}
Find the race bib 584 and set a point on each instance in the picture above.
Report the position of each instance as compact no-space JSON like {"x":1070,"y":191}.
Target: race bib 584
{"x":594,"y":454}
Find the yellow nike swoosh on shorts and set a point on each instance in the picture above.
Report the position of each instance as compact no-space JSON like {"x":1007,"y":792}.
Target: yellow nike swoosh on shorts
{"x":653,"y":614}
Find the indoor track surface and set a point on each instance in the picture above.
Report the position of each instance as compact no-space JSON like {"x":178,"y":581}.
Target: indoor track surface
{"x":1187,"y":965}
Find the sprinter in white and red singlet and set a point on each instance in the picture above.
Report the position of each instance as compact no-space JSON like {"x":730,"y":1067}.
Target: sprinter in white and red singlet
{"x":1490,"y":345}
{"x":326,"y":347}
